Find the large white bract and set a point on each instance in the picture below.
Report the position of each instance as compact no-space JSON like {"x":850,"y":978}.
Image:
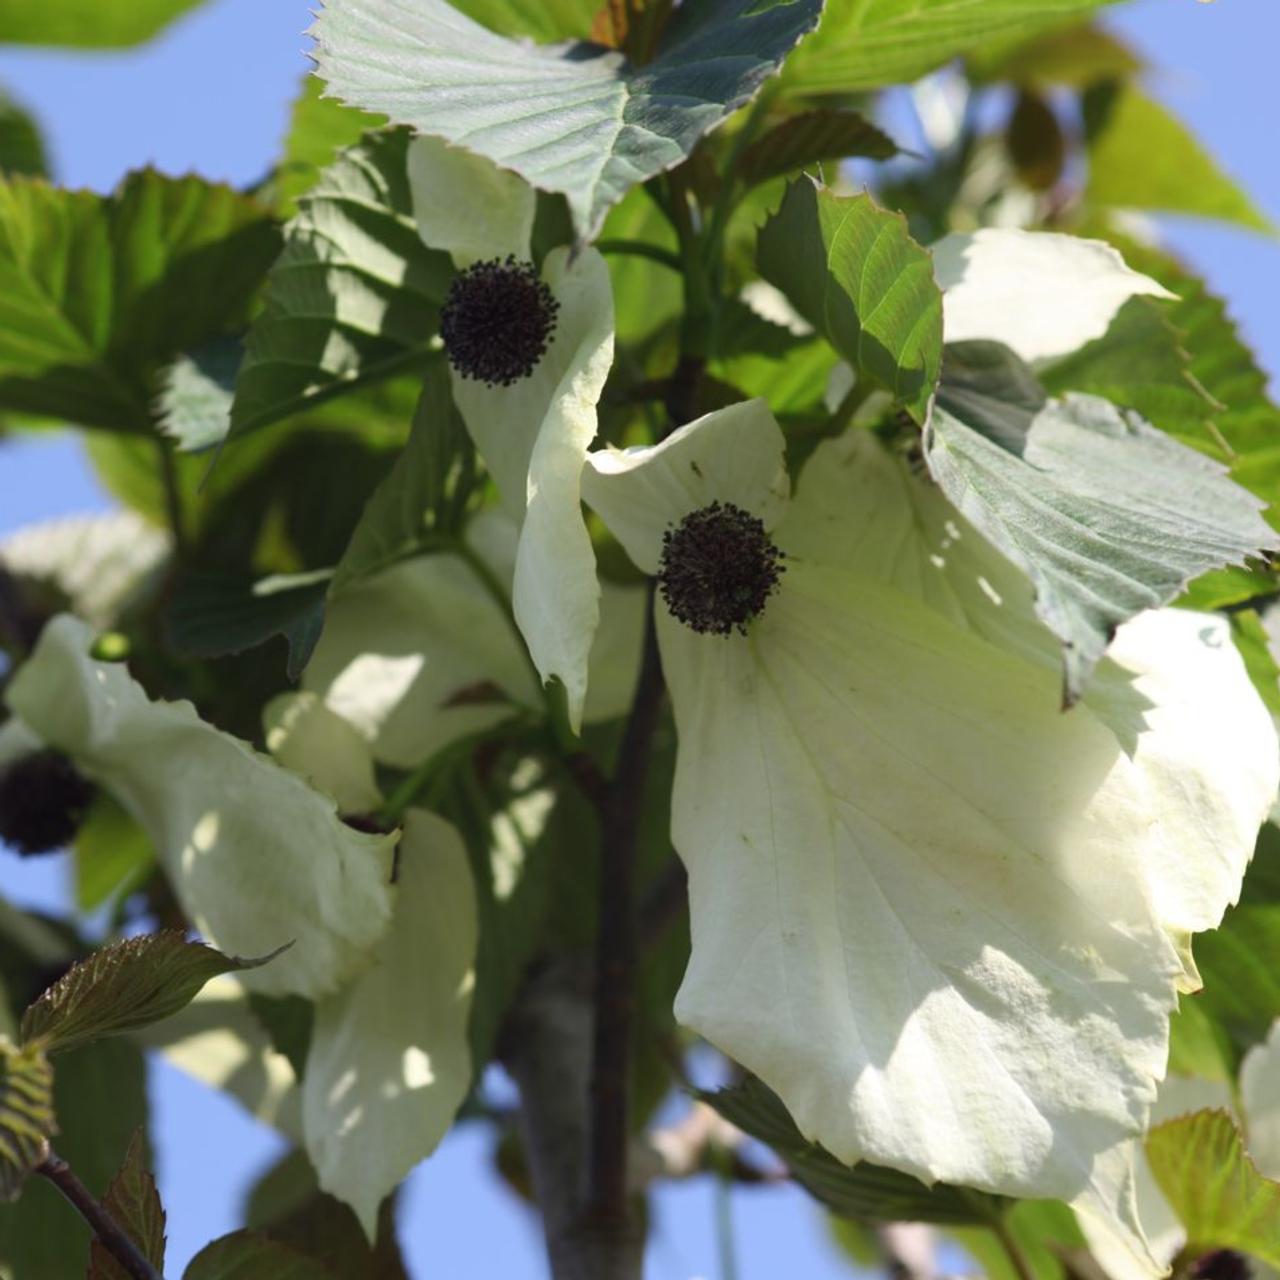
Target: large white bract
{"x":258,"y":859}
{"x":945,"y":922}
{"x":533,"y":434}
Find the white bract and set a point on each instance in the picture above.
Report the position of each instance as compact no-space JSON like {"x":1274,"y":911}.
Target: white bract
{"x":1257,"y":1113}
{"x":422,"y":654}
{"x":945,"y":922}
{"x":258,"y":859}
{"x":534,"y":433}
{"x":1040,"y":293}
{"x":389,"y":1061}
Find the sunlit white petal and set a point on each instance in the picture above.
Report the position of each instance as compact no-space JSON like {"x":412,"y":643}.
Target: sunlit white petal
{"x":1043,"y":294}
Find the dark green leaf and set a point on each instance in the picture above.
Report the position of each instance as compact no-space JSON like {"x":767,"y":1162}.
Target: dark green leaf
{"x":1213,"y":1186}
{"x":354,"y":297}
{"x":21,"y":144}
{"x":602,"y":125}
{"x":1142,"y":157}
{"x":124,"y":986}
{"x":1240,"y":965}
{"x":245,"y":1255}
{"x":96,"y":292}
{"x":26,"y":1114}
{"x":426,"y":491}
{"x":1035,"y":142}
{"x":808,"y":138}
{"x":864,"y":1192}
{"x":133,"y":1201}
{"x":287,"y":1204}
{"x":87,"y":23}
{"x":1077,"y":56}
{"x":862,"y":44}
{"x":99,"y":1096}
{"x":213,"y":614}
{"x":1107,"y":515}
{"x":194,"y":405}
{"x":851,"y":269}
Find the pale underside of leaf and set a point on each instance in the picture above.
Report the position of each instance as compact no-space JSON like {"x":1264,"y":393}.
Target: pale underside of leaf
{"x":573,"y":118}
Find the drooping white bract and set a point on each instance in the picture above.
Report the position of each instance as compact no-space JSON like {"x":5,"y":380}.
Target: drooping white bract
{"x":421,"y":654}
{"x":942,"y":920}
{"x":1040,"y":293}
{"x":257,"y":858}
{"x":533,"y":434}
{"x":389,"y":1062}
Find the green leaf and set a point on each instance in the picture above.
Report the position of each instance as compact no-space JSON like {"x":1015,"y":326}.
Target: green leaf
{"x":1200,"y":1164}
{"x":287,"y":1204}
{"x":865,"y":1192}
{"x":26,"y":1114}
{"x":1143,"y":157}
{"x":1107,"y":515}
{"x":21,"y":144}
{"x":87,"y":24}
{"x":112,"y":853}
{"x":96,"y":292}
{"x":601,"y":125}
{"x":1142,"y":363}
{"x":1245,"y":419}
{"x":863,"y":44}
{"x":319,"y":128}
{"x":854,"y":273}
{"x":133,"y":1201}
{"x":99,"y":1097}
{"x":1198,"y":1046}
{"x":1252,"y":643}
{"x":193,"y":407}
{"x":1042,"y":1231}
{"x":124,"y":986}
{"x":354,"y":297}
{"x":213,"y":614}
{"x":426,"y":491}
{"x":825,"y":134}
{"x":246,"y":1255}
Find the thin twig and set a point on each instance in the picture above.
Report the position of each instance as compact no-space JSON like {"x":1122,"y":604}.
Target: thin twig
{"x":104,"y":1226}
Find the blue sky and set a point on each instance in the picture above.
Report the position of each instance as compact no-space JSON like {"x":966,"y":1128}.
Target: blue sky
{"x":212,"y":95}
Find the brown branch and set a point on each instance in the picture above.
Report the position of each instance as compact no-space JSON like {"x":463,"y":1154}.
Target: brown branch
{"x":664,"y":902}
{"x":617,"y":948}
{"x":104,"y":1226}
